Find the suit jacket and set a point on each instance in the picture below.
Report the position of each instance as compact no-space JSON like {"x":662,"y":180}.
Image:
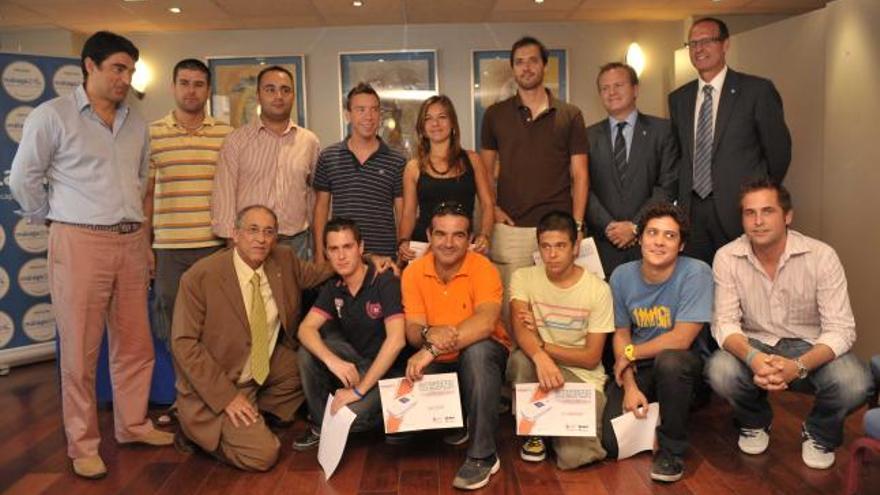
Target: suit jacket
{"x":211,"y":338}
{"x":651,"y":178}
{"x":751,"y":140}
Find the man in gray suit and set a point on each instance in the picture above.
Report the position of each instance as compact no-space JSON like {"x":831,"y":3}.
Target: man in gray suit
{"x":632,"y":165}
{"x":730,"y":128}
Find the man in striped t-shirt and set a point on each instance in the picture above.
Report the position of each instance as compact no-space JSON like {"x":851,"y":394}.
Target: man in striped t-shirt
{"x":363,"y":176}
{"x":184,"y":146}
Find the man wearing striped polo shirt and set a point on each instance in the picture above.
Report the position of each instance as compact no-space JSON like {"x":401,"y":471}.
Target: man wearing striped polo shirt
{"x":363,"y":176}
{"x":184,"y":146}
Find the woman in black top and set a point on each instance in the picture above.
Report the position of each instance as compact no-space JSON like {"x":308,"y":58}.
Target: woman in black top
{"x":441,"y":171}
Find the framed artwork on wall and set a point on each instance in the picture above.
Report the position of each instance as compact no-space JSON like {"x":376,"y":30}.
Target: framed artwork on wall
{"x":234,"y":87}
{"x":492,"y":81}
{"x":403,"y":80}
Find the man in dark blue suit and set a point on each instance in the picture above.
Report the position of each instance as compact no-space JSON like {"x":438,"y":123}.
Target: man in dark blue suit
{"x":632,"y":158}
{"x":730,"y":128}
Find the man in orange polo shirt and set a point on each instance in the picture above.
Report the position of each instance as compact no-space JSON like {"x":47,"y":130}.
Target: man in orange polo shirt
{"x":452,"y":302}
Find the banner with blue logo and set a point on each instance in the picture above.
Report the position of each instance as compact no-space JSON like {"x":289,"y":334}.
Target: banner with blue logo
{"x":27,"y":323}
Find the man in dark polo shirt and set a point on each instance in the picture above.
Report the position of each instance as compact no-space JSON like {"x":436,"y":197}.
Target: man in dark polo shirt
{"x":363,"y":176}
{"x":540,"y":143}
{"x":352,"y":336}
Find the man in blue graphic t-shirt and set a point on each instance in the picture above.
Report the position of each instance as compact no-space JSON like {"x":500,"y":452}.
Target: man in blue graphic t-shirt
{"x":661,"y":304}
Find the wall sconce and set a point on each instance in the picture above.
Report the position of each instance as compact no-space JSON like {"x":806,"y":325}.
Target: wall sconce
{"x":635,"y":58}
{"x":142,"y":77}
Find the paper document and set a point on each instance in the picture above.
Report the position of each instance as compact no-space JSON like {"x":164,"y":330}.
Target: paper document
{"x":334,"y":434}
{"x":588,"y":258}
{"x":566,"y":412}
{"x":427,"y":404}
{"x":635,"y":435}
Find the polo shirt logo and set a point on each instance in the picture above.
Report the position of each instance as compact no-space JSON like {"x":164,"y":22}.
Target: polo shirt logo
{"x":338,"y":303}
{"x":374,"y":310}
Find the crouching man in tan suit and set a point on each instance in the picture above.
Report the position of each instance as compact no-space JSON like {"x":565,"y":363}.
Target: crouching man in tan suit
{"x":233,"y":340}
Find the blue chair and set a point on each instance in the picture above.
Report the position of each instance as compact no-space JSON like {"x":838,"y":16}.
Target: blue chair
{"x":871,"y":441}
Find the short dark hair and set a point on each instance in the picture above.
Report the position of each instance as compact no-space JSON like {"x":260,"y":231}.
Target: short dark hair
{"x":558,"y":221}
{"x":660,"y":210}
{"x":361,"y":88}
{"x":633,"y":77}
{"x":239,"y":217}
{"x":338,"y":224}
{"x":101,"y":45}
{"x":273,"y":68}
{"x":526,"y":41}
{"x":723,"y":33}
{"x":453,"y":208}
{"x":191,"y":64}
{"x":762,"y":183}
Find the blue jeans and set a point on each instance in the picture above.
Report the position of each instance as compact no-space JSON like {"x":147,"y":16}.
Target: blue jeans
{"x":840,"y":386}
{"x":300,"y":243}
{"x":318,"y":382}
{"x":480,"y":369}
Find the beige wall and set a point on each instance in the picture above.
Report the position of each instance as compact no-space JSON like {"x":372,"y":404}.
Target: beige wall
{"x":824,"y":64}
{"x":588,"y":45}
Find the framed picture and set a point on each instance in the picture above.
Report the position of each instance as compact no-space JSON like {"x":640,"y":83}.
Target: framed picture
{"x":403,"y":80}
{"x":234,"y":87}
{"x":492,"y":81}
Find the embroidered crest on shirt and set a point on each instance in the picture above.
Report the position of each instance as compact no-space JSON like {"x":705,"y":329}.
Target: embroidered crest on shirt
{"x":374,"y":309}
{"x":338,"y":303}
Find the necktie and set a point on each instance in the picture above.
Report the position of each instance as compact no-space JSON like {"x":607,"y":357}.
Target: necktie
{"x":259,"y":333}
{"x":703,"y":148}
{"x":620,"y":152}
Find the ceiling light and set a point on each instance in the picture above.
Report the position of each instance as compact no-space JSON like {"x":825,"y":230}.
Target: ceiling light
{"x":174,"y":10}
{"x":358,"y":3}
{"x":539,"y":1}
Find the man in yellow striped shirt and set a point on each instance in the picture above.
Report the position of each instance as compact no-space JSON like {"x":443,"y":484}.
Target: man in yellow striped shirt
{"x":184,"y":146}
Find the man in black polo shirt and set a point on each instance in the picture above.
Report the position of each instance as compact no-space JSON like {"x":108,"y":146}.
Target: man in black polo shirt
{"x":363,"y":176}
{"x":352,"y":336}
{"x":541,"y":144}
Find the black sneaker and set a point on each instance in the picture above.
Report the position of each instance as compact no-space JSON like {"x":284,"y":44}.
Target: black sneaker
{"x":308,"y":440}
{"x":533,"y":450}
{"x":667,"y":467}
{"x":399,"y":438}
{"x":475,"y":473}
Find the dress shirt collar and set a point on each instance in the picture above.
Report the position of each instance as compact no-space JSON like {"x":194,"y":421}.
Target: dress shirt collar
{"x":82,"y":100}
{"x":243,"y":271}
{"x":795,"y":243}
{"x":291,"y":126}
{"x":717,"y":82}
{"x":630,"y":119}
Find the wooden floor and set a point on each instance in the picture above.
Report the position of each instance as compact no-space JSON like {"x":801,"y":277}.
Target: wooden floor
{"x":33,"y":459}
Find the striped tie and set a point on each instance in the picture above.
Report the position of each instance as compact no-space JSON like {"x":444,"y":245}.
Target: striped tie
{"x":620,"y":152}
{"x":259,"y":333}
{"x":703,"y":148}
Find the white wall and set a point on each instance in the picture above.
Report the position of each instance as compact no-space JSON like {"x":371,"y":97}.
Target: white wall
{"x":588,"y":45}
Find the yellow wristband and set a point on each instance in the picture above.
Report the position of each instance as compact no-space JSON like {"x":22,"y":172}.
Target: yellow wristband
{"x":629,"y":352}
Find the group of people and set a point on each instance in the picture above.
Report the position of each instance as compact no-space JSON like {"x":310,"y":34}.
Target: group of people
{"x":234,"y":224}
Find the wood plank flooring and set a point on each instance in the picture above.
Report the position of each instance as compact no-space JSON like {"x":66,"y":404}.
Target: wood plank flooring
{"x":33,"y":459}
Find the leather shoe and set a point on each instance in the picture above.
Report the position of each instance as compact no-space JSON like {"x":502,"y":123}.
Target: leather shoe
{"x":156,"y":438}
{"x":90,"y":467}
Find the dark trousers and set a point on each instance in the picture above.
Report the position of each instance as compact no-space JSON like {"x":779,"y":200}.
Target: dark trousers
{"x":707,"y":236}
{"x":671,"y":379}
{"x":480,"y":368}
{"x":170,"y":266}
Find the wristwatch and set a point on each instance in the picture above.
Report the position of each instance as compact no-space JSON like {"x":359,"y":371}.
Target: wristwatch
{"x":580,"y":225}
{"x":802,"y":370}
{"x":430,"y":348}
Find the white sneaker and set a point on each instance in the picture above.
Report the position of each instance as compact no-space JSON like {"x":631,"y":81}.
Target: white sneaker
{"x":753,"y":441}
{"x":815,"y":455}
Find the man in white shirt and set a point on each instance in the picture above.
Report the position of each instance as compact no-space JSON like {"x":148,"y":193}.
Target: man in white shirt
{"x":783,"y":321}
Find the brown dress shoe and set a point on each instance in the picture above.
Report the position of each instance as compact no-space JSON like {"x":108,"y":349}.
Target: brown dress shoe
{"x":156,"y":438}
{"x":90,"y":467}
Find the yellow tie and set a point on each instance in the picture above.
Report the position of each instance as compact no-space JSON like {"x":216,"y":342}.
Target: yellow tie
{"x":259,"y":333}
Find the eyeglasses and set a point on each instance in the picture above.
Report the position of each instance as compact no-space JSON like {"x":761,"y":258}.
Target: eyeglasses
{"x":450,"y":207}
{"x":284,"y":90}
{"x":700,"y":43}
{"x":254,"y":231}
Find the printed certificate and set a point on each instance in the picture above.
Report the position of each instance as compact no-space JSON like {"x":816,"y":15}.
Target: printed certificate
{"x":566,"y":412}
{"x":428,"y":404}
